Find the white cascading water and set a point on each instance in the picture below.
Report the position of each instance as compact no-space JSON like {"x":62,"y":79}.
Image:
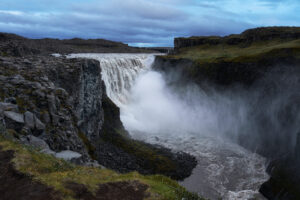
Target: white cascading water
{"x":196,"y":124}
{"x":119,"y":72}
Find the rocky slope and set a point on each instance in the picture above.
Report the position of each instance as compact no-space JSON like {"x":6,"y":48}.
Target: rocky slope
{"x":263,"y":64}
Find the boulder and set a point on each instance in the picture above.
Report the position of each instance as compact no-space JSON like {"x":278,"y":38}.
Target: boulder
{"x":14,"y":120}
{"x":37,"y":143}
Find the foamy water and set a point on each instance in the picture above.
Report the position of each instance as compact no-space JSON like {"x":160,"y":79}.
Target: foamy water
{"x":225,"y":170}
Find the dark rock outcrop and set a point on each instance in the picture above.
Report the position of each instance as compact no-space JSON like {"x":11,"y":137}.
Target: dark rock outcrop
{"x":42,"y":108}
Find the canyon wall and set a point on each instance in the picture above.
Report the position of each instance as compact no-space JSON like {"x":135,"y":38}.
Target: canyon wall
{"x":260,"y":78}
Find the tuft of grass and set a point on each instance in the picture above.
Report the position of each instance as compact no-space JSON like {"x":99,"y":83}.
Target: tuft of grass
{"x":56,"y":172}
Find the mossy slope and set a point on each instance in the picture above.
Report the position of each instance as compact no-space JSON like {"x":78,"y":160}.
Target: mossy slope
{"x":56,"y":173}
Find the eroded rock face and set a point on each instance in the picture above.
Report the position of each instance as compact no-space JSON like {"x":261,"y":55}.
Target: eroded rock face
{"x":42,"y":108}
{"x":85,"y":89}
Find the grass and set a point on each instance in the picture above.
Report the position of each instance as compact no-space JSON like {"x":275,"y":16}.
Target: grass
{"x":236,"y":53}
{"x":56,"y":172}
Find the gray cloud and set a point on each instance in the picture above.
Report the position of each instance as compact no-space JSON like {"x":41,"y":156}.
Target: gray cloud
{"x":143,"y":22}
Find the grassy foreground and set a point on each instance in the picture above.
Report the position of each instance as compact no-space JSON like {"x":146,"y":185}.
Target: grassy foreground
{"x":56,"y":172}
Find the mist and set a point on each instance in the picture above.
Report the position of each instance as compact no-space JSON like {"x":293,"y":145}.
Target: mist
{"x":155,"y":108}
{"x":258,"y":117}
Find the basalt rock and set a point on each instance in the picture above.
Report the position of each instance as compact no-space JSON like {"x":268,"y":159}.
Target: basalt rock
{"x":41,"y":109}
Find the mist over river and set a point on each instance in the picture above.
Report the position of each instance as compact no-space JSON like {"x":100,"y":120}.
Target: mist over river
{"x":190,"y":120}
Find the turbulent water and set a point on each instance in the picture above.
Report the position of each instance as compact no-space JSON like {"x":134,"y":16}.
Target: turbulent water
{"x":196,"y":124}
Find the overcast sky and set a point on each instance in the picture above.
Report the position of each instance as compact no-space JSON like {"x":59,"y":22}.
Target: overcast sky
{"x":142,"y":22}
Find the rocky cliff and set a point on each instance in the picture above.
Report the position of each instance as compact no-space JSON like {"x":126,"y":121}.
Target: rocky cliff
{"x":60,"y":105}
{"x":263,"y":64}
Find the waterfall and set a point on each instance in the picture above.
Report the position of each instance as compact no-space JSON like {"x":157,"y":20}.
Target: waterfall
{"x":119,"y":72}
{"x":191,"y":121}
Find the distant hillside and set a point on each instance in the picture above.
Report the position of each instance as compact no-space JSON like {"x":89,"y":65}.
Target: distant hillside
{"x":11,"y":44}
{"x":244,"y":39}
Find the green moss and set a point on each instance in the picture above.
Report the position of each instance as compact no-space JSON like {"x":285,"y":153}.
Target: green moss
{"x":159,"y":163}
{"x":56,"y":172}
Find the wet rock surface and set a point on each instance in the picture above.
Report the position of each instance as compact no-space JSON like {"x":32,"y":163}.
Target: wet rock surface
{"x":285,"y":176}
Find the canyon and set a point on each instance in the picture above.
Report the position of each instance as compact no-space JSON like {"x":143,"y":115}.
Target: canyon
{"x":219,"y":114}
